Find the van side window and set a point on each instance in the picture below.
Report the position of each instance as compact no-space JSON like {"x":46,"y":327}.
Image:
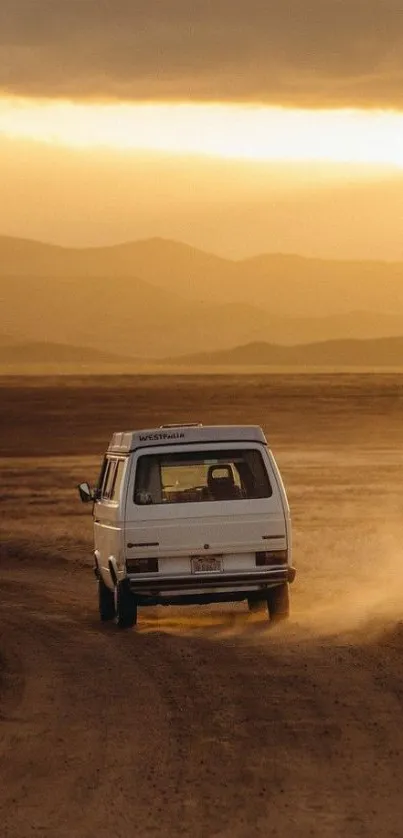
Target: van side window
{"x":109,"y":479}
{"x":112,"y":479}
{"x":100,"y":481}
{"x":118,"y":478}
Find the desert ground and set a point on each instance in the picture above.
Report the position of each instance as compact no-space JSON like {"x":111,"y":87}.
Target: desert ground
{"x":204,"y":721}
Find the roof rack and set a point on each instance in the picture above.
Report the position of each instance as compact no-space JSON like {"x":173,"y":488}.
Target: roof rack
{"x":183,"y":425}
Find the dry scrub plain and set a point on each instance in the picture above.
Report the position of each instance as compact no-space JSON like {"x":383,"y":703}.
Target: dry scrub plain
{"x":204,"y":721}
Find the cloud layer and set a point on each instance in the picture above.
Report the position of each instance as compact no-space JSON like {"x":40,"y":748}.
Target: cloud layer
{"x":308,"y":53}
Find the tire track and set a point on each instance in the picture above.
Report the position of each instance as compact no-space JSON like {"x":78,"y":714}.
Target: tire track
{"x":161,"y":732}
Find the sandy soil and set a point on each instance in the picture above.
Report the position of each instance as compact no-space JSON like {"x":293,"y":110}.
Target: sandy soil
{"x":206,"y":722}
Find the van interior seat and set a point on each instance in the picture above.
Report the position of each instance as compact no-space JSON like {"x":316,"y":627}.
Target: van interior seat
{"x":222,"y":486}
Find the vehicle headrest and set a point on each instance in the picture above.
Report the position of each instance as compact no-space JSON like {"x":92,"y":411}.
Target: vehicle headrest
{"x":220,"y":473}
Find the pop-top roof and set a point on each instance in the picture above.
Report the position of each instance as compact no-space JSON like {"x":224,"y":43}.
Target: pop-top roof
{"x":122,"y":443}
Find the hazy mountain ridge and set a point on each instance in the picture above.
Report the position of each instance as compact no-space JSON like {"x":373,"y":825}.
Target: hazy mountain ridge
{"x":343,"y":354}
{"x":285,"y":285}
{"x":157,"y":298}
{"x":339,"y":353}
{"x":126,"y":317}
{"x":42,"y":352}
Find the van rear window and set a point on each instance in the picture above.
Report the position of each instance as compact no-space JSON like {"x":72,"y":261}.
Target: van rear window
{"x":201,"y":476}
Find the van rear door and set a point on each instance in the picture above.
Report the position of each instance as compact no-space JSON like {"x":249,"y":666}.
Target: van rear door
{"x":221,"y":499}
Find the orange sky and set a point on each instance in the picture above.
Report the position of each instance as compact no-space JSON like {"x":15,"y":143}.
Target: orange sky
{"x":78,"y":196}
{"x":108,"y":131}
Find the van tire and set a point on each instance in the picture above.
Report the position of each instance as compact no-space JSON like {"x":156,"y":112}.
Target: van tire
{"x":256,"y":605}
{"x":126,"y":605}
{"x":106,"y":601}
{"x":278,"y":603}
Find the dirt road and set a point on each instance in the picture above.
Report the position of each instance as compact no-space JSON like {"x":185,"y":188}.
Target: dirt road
{"x":204,"y":722}
{"x":200,"y":722}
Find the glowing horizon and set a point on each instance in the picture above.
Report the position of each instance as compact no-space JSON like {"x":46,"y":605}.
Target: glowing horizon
{"x":228,"y":131}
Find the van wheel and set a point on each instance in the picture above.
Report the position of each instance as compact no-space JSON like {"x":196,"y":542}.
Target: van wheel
{"x":106,"y":601}
{"x":126,"y":605}
{"x":256,"y":605}
{"x":278,"y":603}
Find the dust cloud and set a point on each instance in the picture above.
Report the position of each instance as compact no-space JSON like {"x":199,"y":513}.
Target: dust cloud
{"x":356,"y":606}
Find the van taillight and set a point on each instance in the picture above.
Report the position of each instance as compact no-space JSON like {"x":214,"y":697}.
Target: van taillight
{"x":268,"y":557}
{"x":142,"y":565}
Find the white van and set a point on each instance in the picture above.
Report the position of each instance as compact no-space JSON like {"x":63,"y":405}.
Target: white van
{"x":190,"y":514}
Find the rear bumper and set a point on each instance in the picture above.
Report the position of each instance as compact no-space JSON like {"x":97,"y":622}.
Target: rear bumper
{"x":208,"y":584}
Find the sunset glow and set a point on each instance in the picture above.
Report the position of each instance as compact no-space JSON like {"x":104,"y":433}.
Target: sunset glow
{"x":228,"y":131}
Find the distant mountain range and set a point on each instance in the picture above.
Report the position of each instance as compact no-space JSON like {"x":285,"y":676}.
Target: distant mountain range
{"x":13,"y":352}
{"x":156,"y":299}
{"x":339,"y":354}
{"x":383,"y":352}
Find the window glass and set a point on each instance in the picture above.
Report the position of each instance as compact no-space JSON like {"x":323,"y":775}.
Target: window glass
{"x":207,"y":476}
{"x":109,"y":478}
{"x":100,"y":481}
{"x":117,"y":482}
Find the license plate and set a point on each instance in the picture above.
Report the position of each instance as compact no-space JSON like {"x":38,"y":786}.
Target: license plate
{"x":206,"y":564}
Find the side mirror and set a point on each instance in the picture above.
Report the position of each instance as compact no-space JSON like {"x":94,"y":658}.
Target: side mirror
{"x":85,"y":493}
